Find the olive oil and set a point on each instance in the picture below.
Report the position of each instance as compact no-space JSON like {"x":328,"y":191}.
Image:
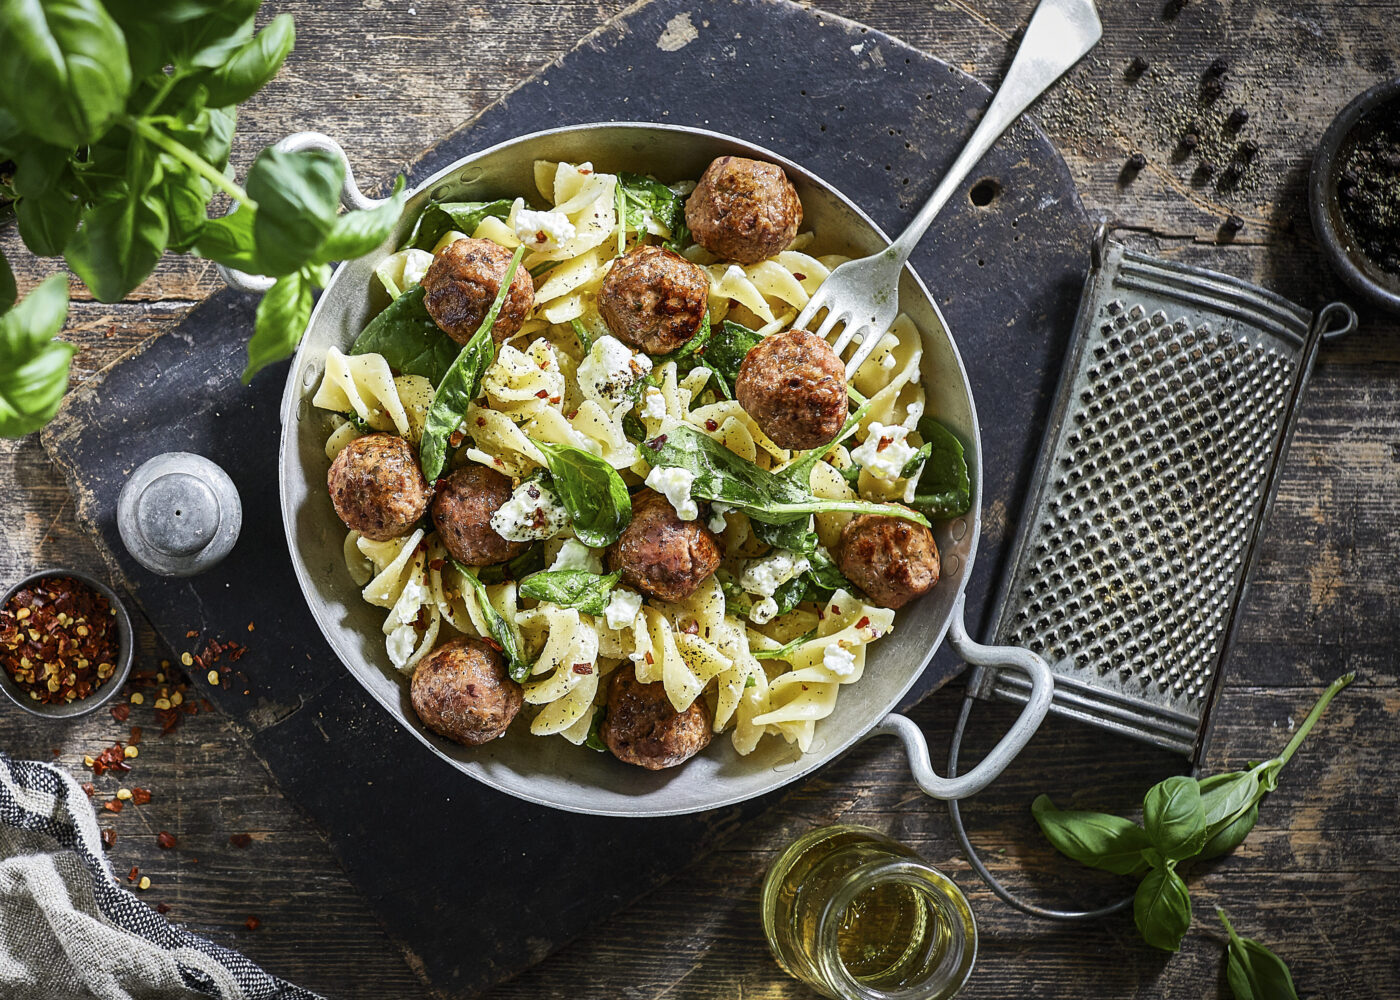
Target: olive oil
{"x":857,"y":915}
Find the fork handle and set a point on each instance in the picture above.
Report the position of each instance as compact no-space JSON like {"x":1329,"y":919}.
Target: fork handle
{"x":1059,"y":35}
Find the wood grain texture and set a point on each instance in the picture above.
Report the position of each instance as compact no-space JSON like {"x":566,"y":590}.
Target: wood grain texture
{"x":1317,"y":880}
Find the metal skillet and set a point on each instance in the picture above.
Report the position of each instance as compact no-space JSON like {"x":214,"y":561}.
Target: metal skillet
{"x":553,"y":772}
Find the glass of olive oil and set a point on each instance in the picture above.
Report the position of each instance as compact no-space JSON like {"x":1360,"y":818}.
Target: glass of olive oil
{"x":858,"y":916}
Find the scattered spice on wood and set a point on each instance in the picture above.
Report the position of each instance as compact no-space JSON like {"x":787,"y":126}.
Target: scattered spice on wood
{"x":1211,"y":90}
{"x":162,"y":908}
{"x":165,"y":841}
{"x":109,"y":838}
{"x":131,"y":875}
{"x":144,"y":884}
{"x":89,"y":789}
{"x":1136,"y":161}
{"x":252,"y":923}
{"x":111,"y":759}
{"x":1249,"y":149}
{"x":140,"y":796}
{"x":121,"y":712}
{"x":113,"y":805}
{"x":135,"y":736}
{"x":1370,"y":189}
{"x":1233,"y":224}
{"x":1219,"y":67}
{"x":58,"y":639}
{"x":1238,"y":119}
{"x":240,"y":840}
{"x":1137,"y":67}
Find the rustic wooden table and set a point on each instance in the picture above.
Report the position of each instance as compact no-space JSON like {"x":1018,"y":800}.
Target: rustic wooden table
{"x":1318,"y":879}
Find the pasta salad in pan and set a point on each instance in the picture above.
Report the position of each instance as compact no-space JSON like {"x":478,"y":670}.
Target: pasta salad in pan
{"x":596,"y":481}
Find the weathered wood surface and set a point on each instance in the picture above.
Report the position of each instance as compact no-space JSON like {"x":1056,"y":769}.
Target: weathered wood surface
{"x":1317,"y":880}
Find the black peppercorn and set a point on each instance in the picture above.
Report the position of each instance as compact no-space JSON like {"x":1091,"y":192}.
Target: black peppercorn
{"x":1218,"y":67}
{"x":1138,"y":66}
{"x":1230,"y":175}
{"x":1238,"y":117}
{"x":1233,"y":224}
{"x":1137,"y":161}
{"x":1190,"y":141}
{"x":1173,"y":8}
{"x":1211,"y":90}
{"x":1249,"y":149}
{"x":1205,"y":171}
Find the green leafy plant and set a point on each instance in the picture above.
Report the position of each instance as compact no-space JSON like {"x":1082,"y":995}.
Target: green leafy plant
{"x":1253,"y":971}
{"x":572,"y":588}
{"x":592,"y":492}
{"x":641,"y":197}
{"x":1182,"y":819}
{"x":119,"y":118}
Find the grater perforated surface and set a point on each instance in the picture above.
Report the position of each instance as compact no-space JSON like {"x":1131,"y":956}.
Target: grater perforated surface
{"x":1155,"y":476}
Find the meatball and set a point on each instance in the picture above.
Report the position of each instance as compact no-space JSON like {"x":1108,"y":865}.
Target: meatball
{"x":462,"y":512}
{"x":794,"y":386}
{"x":744,"y":210}
{"x":462,"y":282}
{"x":377,"y":487}
{"x":891,"y":559}
{"x":641,"y":726}
{"x":654,"y":299}
{"x":661,"y":555}
{"x":461,"y":691}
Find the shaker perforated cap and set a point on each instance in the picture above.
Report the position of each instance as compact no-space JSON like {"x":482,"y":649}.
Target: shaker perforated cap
{"x":179,"y":514}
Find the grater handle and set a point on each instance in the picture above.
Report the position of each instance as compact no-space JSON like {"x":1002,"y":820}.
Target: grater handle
{"x":1016,"y":738}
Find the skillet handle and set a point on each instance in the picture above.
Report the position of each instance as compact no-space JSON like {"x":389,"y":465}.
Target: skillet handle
{"x":1016,"y":738}
{"x":350,"y":196}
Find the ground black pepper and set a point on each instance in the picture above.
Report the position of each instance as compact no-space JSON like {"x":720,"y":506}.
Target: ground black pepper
{"x":1369,"y":187}
{"x":58,"y":639}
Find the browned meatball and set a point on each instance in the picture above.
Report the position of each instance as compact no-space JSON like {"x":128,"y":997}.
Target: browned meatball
{"x":654,"y":299}
{"x":794,"y":386}
{"x":377,"y":487}
{"x":744,"y":210}
{"x":660,"y":554}
{"x":462,"y":282}
{"x":891,"y":559}
{"x":462,"y":512}
{"x":461,"y":690}
{"x":641,"y":727}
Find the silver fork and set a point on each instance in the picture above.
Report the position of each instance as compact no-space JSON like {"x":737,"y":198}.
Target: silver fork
{"x":861,"y":296}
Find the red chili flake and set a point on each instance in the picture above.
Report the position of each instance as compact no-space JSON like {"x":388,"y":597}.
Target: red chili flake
{"x":168,"y":718}
{"x":250,"y":626}
{"x":252,"y":923}
{"x":455,"y":438}
{"x":140,"y":796}
{"x":58,"y":640}
{"x":205,"y":705}
{"x":885,"y":442}
{"x":649,"y":658}
{"x":240,"y":840}
{"x":165,"y":841}
{"x":554,"y":400}
{"x":799,"y":275}
{"x":656,"y":442}
{"x":89,"y":789}
{"x":542,"y":394}
{"x":162,"y":907}
{"x":835,"y":610}
{"x":113,"y":805}
{"x":691,"y":628}
{"x":191,"y":634}
{"x":711,"y":425}
{"x":132,"y":875}
{"x":864,"y":621}
{"x":436,"y":564}
{"x":121,"y":711}
{"x":135,"y":736}
{"x":583,"y":668}
{"x":109,"y":838}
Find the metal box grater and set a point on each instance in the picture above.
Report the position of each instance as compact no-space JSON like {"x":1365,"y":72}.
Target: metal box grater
{"x":1161,"y":459}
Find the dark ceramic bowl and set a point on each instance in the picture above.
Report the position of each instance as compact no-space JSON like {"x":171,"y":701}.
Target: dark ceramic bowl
{"x":110,"y":688}
{"x":1357,"y":269}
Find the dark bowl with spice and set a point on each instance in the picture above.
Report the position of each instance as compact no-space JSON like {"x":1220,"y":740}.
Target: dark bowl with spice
{"x":65,"y":644}
{"x":1354,"y":194}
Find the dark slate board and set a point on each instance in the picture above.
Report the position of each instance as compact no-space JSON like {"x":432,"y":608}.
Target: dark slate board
{"x":468,"y":880}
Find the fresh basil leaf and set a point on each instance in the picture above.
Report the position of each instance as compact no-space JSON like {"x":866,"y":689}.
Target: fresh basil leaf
{"x":529,"y":561}
{"x":441,"y":217}
{"x":516,"y":665}
{"x":119,"y":242}
{"x":944,"y":489}
{"x":592,"y":492}
{"x":185,"y":197}
{"x":208,"y":134}
{"x":47,"y":209}
{"x":1174,"y":818}
{"x":229,"y":240}
{"x":298,"y":195}
{"x":1224,"y":839}
{"x":1098,"y":840}
{"x":1162,"y":909}
{"x":408,"y":338}
{"x":594,"y":740}
{"x":355,"y":234}
{"x":785,"y":650}
{"x":252,"y":65}
{"x":34,"y":366}
{"x":460,"y":384}
{"x":64,"y":72}
{"x":572,"y":588}
{"x":281,"y":320}
{"x":1252,"y":970}
{"x":188,"y":34}
{"x":641,"y":197}
{"x":9,"y":291}
{"x":762,"y":495}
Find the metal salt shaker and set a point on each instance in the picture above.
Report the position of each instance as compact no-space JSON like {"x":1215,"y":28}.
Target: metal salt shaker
{"x":179,"y":514}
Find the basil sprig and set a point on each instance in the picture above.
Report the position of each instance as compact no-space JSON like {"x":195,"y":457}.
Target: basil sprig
{"x":459,"y":386}
{"x":592,"y":492}
{"x":409,"y":339}
{"x":33,"y":366}
{"x":572,"y":588}
{"x":1182,"y":819}
{"x":516,"y":665}
{"x":1253,"y":971}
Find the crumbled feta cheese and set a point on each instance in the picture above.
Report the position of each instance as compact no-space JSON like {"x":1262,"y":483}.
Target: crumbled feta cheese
{"x":717,"y":523}
{"x":533,"y":512}
{"x":400,"y":644}
{"x":575,"y":555}
{"x":887,"y":362}
{"x":543,"y":230}
{"x":610,"y":370}
{"x":674,"y":484}
{"x":764,"y":576}
{"x":839,"y":660}
{"x":764,"y":611}
{"x":623,"y":609}
{"x":654,"y":403}
{"x":884,"y":452}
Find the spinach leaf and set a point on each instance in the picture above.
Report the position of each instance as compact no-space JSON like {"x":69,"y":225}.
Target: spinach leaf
{"x":298,"y":195}
{"x":1098,"y":840}
{"x":64,"y":71}
{"x":800,"y":468}
{"x":281,"y":320}
{"x":915,"y":460}
{"x":1253,"y":971}
{"x":572,"y":588}
{"x":695,"y":345}
{"x":529,"y":561}
{"x":1162,"y":909}
{"x":1174,"y":818}
{"x":762,"y":495}
{"x":785,"y":650}
{"x":591,"y":490}
{"x":639,"y":197}
{"x":944,"y":489}
{"x":408,"y":339}
{"x":594,"y":741}
{"x":724,"y":351}
{"x":355,"y":234}
{"x":459,"y":386}
{"x":516,"y":664}
{"x":33,"y":366}
{"x":585,"y":342}
{"x":441,"y":217}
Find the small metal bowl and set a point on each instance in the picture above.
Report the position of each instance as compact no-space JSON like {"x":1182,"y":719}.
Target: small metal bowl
{"x":1357,"y":269}
{"x":110,"y":688}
